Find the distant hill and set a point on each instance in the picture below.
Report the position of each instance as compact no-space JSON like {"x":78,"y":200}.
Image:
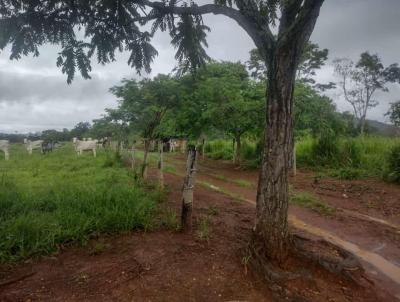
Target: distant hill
{"x":383,"y":129}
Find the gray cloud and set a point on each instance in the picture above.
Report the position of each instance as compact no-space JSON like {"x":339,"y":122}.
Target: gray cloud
{"x":34,"y":94}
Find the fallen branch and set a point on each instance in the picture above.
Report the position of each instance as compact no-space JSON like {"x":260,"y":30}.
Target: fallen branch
{"x":15,"y":280}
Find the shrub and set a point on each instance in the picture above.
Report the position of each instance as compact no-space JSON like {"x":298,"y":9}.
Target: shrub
{"x":219,"y":149}
{"x":393,"y":164}
{"x":346,"y":173}
{"x":350,"y":154}
{"x":325,"y":149}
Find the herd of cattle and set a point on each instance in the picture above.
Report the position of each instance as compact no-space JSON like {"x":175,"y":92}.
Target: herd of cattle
{"x":49,"y":146}
{"x":88,"y":144}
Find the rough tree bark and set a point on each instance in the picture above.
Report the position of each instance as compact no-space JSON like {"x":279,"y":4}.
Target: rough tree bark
{"x":271,"y":235}
{"x":271,"y":230}
{"x":160,"y":165}
{"x":187,"y":190}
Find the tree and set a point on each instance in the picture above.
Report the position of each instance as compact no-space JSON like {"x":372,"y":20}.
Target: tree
{"x":360,"y":81}
{"x":394,"y":113}
{"x":102,"y":128}
{"x":231,"y":102}
{"x":312,"y":58}
{"x":144,"y":105}
{"x":80,"y":130}
{"x":315,"y":113}
{"x":109,"y":26}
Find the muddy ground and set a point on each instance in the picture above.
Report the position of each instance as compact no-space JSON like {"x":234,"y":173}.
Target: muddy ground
{"x":210,"y":263}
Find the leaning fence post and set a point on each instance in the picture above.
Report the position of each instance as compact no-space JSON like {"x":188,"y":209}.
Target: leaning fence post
{"x":187,"y":191}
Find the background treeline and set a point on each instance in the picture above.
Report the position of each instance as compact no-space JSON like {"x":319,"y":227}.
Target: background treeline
{"x":220,"y":108}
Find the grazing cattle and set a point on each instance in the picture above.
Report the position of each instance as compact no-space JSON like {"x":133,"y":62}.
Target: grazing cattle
{"x":33,"y":145}
{"x":175,"y":144}
{"x":4,"y":146}
{"x":47,"y":147}
{"x":81,"y":146}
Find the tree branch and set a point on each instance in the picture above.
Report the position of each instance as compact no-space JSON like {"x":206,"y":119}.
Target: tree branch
{"x":261,"y":39}
{"x":299,"y":30}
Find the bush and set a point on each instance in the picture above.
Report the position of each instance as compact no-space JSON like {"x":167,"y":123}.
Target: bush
{"x":325,"y":150}
{"x":393,"y":164}
{"x":346,"y":173}
{"x":350,"y":154}
{"x":219,"y":149}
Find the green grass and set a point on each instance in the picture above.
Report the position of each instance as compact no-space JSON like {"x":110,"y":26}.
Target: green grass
{"x":307,"y":200}
{"x":342,"y":157}
{"x":240,"y":182}
{"x":353,"y":158}
{"x":61,"y":199}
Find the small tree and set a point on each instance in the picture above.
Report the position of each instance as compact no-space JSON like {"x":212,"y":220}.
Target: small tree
{"x":394,"y":114}
{"x":80,"y":130}
{"x":144,"y":104}
{"x":232,"y":102}
{"x":360,"y":81}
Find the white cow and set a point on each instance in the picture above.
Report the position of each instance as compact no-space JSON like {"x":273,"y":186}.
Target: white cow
{"x":81,"y":146}
{"x":4,"y":146}
{"x":33,"y":145}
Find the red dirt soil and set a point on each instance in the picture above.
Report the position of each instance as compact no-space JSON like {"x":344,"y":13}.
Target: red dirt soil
{"x":170,"y":266}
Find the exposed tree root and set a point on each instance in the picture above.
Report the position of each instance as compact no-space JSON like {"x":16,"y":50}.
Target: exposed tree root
{"x":316,"y":253}
{"x":331,"y":257}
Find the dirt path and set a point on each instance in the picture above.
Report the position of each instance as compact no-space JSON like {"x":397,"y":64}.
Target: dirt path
{"x":163,"y":265}
{"x":370,"y":232}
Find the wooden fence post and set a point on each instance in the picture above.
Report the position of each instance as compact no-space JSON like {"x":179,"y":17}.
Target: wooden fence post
{"x":188,"y":187}
{"x":160,"y":165}
{"x":133,"y":156}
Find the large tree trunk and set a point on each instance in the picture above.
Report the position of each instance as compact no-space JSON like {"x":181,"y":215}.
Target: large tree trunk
{"x":271,"y":234}
{"x":188,"y":187}
{"x":146,"y":152}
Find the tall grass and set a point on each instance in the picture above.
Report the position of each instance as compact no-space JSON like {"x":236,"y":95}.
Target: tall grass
{"x":219,"y":149}
{"x":361,"y":156}
{"x":60,"y":198}
{"x":344,"y":157}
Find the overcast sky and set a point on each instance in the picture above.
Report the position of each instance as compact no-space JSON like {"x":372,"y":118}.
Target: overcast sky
{"x":34,"y":94}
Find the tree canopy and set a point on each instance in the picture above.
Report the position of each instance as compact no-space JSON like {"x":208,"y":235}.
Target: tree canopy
{"x":312,"y":59}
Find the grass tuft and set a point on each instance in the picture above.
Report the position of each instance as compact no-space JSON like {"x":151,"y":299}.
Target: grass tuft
{"x":312,"y":202}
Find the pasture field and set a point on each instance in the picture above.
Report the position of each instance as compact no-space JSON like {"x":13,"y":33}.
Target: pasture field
{"x":52,"y":200}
